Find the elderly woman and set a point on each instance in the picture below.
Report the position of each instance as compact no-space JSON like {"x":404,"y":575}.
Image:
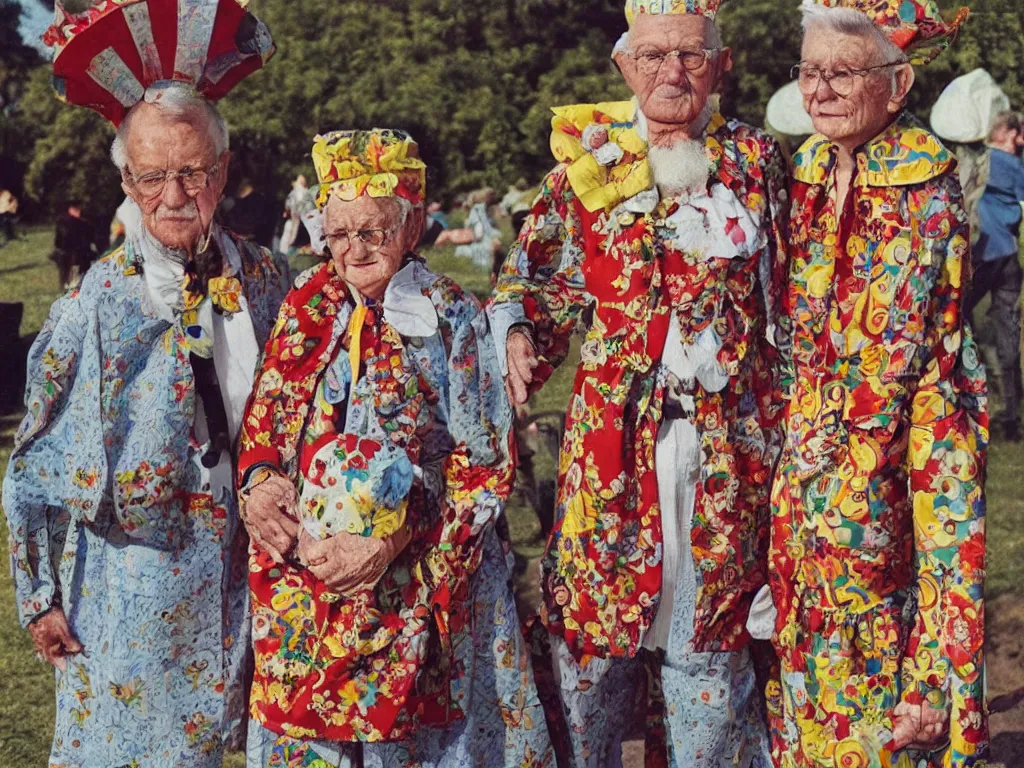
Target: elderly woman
{"x":374,"y":466}
{"x":877,"y":541}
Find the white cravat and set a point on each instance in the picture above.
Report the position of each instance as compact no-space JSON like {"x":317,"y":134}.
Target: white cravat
{"x":235,"y":349}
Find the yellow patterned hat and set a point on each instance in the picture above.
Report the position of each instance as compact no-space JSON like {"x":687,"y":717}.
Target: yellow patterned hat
{"x":706,"y":8}
{"x":382,"y":162}
{"x":916,"y":27}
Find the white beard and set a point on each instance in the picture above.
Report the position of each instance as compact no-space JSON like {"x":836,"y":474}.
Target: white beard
{"x":680,"y":171}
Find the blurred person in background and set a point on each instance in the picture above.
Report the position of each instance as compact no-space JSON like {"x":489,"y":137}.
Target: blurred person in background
{"x":248,"y":214}
{"x":514,"y":194}
{"x":74,"y":245}
{"x":8,"y":215}
{"x":486,"y":237}
{"x":298,"y":202}
{"x":996,"y":262}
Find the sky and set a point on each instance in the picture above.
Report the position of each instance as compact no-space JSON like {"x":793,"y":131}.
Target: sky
{"x":34,"y":21}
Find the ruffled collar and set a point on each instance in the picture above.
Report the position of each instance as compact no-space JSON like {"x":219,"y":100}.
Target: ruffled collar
{"x":904,"y":153}
{"x":604,"y":147}
{"x":404,"y":306}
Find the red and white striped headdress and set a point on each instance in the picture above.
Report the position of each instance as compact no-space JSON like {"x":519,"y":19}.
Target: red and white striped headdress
{"x":107,"y":55}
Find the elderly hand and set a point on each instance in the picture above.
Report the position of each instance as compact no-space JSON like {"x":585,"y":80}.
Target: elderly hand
{"x":346,"y":562}
{"x":53,"y":638}
{"x":919,"y":726}
{"x":269,"y":511}
{"x":522,"y":359}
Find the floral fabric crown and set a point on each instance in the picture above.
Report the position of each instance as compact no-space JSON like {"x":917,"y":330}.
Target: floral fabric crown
{"x":707,"y":8}
{"x":916,"y":27}
{"x":382,"y":162}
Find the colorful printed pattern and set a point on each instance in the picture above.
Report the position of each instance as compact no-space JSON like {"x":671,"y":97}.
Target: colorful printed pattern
{"x":602,"y":569}
{"x":112,"y":517}
{"x":915,"y":26}
{"x":355,"y":485}
{"x":384,"y":664}
{"x":707,"y":8}
{"x":878,"y":531}
{"x":378,"y":163}
{"x":110,"y":53}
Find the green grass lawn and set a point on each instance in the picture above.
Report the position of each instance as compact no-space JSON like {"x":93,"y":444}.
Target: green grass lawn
{"x":26,"y":685}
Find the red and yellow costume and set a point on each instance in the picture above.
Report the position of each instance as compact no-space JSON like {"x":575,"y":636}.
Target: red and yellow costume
{"x":602,"y":569}
{"x":878,"y":531}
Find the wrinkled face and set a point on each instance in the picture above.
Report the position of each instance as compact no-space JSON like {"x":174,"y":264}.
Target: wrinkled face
{"x":158,"y":142}
{"x":671,"y":93}
{"x":870,"y":106}
{"x":368,"y":239}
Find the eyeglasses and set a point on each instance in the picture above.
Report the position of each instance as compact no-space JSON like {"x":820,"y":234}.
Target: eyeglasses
{"x":841,"y":81}
{"x":193,"y":180}
{"x":374,"y":239}
{"x":650,"y":62}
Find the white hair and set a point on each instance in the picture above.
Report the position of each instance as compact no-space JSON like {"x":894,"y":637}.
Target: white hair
{"x":179,"y":101}
{"x":851,"y":22}
{"x":680,"y":170}
{"x":404,"y":209}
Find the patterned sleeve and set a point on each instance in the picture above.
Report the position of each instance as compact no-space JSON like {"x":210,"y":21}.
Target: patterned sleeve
{"x":257,"y":443}
{"x":776,"y":271}
{"x":479,"y":472}
{"x":34,"y":483}
{"x":949,"y":433}
{"x":542,"y":281}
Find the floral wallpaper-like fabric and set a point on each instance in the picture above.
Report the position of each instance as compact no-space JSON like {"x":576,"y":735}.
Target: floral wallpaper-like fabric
{"x":422,"y":649}
{"x":113,"y":518}
{"x":598,"y":251}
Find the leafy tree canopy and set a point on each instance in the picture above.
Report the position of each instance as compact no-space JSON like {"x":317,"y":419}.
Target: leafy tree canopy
{"x":473,"y":82}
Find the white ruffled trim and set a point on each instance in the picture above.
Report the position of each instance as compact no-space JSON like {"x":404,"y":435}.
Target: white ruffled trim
{"x":406,"y":309}
{"x":697,"y":361}
{"x":717,"y":226}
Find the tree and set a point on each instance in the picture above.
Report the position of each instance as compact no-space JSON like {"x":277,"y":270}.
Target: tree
{"x":473,"y":82}
{"x":16,"y":58}
{"x":765,"y":39}
{"x":993,"y":39}
{"x":65,"y":151}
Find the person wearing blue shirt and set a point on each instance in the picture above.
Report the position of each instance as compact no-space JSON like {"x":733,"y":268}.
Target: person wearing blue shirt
{"x":996,"y":260}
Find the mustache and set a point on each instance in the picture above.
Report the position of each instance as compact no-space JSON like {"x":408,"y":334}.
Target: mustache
{"x":671,"y":90}
{"x":189,"y":211}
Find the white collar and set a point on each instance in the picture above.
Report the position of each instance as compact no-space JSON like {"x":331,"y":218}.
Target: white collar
{"x":163,"y":268}
{"x":406,"y":309}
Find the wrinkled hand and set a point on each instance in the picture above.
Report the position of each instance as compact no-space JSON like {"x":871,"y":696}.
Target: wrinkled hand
{"x":348,"y":563}
{"x":522,"y":359}
{"x":53,"y":638}
{"x":919,"y":726}
{"x":270,"y":514}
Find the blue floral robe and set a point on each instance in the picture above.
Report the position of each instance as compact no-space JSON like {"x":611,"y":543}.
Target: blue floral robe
{"x":113,"y":518}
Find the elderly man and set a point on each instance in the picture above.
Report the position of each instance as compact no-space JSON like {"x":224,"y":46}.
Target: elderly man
{"x":878,"y":530}
{"x":659,"y":230}
{"x":385,"y":631}
{"x":127,"y":552}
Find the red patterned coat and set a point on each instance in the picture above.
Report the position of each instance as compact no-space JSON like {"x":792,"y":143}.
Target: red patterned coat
{"x":619,"y":274}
